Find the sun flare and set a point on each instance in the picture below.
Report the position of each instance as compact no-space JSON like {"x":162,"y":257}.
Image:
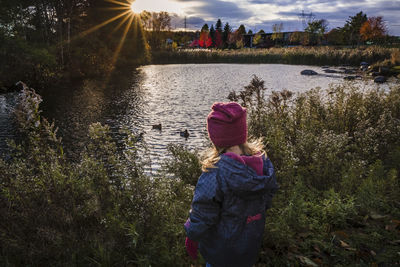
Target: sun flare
{"x":138,"y":6}
{"x":126,"y":18}
{"x":133,"y":7}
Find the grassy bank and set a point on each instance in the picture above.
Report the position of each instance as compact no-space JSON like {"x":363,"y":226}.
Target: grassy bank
{"x":296,"y":55}
{"x":337,"y":158}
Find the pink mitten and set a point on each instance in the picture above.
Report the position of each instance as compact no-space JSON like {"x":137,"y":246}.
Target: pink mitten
{"x":191,"y":248}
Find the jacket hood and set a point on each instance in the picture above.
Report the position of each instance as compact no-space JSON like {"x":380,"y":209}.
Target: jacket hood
{"x":243,"y":180}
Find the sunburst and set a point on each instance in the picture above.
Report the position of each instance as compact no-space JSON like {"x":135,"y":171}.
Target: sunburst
{"x":126,"y":16}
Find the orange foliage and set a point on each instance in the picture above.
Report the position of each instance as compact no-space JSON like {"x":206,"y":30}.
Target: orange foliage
{"x":373,"y":29}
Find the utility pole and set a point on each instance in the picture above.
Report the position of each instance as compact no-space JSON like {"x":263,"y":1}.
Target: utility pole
{"x":185,"y":23}
{"x":306,"y":18}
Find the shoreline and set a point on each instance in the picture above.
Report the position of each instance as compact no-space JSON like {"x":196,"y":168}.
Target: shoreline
{"x":315,"y":56}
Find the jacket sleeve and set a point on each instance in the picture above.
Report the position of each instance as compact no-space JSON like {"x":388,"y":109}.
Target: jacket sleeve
{"x":272,"y":184}
{"x":206,"y":206}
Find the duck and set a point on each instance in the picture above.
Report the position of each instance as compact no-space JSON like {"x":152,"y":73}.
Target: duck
{"x":157,"y":126}
{"x":184,"y":133}
{"x":139,"y":137}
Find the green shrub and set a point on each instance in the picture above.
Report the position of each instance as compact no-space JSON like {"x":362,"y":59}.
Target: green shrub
{"x":101,"y":210}
{"x":24,"y":62}
{"x":183,"y":164}
{"x":336,"y":155}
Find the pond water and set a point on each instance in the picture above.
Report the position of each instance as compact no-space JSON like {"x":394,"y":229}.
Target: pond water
{"x":178,"y":97}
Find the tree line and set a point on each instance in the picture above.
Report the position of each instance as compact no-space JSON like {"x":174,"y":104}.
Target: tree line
{"x":45,"y":40}
{"x":357,"y":30}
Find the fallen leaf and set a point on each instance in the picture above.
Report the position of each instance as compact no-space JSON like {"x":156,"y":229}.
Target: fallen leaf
{"x":376,"y":216}
{"x":344,"y":244}
{"x":307,"y":261}
{"x":373,"y":253}
{"x":316,"y":248}
{"x":317,"y":261}
{"x":342,"y":234}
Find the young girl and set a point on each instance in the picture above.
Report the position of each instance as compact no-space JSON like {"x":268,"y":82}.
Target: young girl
{"x":235,"y":189}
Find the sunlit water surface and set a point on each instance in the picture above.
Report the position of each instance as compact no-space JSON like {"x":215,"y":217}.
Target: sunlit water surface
{"x":178,"y":97}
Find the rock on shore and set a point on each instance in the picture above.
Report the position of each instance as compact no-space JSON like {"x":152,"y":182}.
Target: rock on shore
{"x":308,"y":72}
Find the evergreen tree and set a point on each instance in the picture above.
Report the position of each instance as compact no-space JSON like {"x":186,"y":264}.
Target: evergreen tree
{"x":225,"y":35}
{"x":218,"y":26}
{"x":212,"y":35}
{"x":351,"y":30}
{"x":241,"y":29}
{"x":205,"y":28}
{"x":316,"y":30}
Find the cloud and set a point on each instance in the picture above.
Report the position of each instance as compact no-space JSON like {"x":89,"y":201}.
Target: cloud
{"x":257,"y":14}
{"x":340,"y":13}
{"x":192,"y":22}
{"x":275,"y":3}
{"x":214,"y":9}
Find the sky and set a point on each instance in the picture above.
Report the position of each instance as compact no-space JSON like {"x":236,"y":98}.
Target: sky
{"x":262,"y":14}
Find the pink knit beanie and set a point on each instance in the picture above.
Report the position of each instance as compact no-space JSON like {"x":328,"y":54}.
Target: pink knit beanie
{"x":226,"y":124}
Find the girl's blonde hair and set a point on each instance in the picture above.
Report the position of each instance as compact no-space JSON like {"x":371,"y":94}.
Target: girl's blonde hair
{"x":212,"y":155}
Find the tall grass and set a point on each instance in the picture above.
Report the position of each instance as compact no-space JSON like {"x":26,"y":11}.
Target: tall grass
{"x":337,"y":157}
{"x":294,"y":55}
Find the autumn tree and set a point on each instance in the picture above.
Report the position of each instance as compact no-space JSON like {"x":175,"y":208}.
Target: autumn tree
{"x":257,"y":39}
{"x":239,"y":38}
{"x":160,"y":22}
{"x":145,"y":17}
{"x":374,"y":29}
{"x":295,"y":37}
{"x":205,"y":38}
{"x":277,"y":32}
{"x":218,"y":39}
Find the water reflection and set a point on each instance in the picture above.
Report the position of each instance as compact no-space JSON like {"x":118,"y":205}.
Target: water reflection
{"x":176,"y":96}
{"x":74,"y":109}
